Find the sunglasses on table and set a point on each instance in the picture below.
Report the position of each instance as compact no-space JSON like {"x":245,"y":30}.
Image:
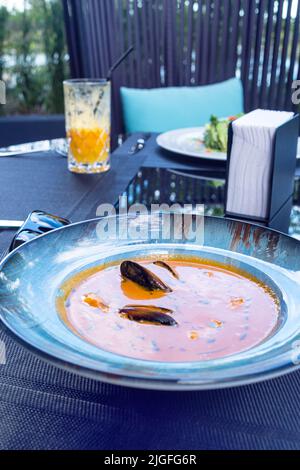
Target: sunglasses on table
{"x":37,"y":223}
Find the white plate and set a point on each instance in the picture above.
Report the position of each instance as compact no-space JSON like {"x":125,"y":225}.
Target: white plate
{"x":189,"y":142}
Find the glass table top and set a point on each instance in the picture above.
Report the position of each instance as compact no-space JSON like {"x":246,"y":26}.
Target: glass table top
{"x":159,"y":186}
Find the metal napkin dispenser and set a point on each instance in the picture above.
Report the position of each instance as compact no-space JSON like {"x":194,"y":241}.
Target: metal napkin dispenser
{"x":261,"y":171}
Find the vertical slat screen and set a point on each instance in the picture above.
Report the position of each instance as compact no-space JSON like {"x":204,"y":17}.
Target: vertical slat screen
{"x":189,"y":42}
{"x":295,"y":60}
{"x":275,"y":60}
{"x":260,"y":16}
{"x":266,"y":54}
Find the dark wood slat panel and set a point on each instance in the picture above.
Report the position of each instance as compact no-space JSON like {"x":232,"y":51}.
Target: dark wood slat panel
{"x":267,"y":51}
{"x":223,"y":42}
{"x":186,"y":42}
{"x":198,"y":43}
{"x":188,"y":72}
{"x":232,"y":53}
{"x":291,"y":75}
{"x":245,"y":5}
{"x":274,"y":70}
{"x":254,"y":99}
{"x":151,"y":67}
{"x":181,"y":44}
{"x":281,"y":91}
{"x":138,"y":45}
{"x":157,"y":42}
{"x":205,"y":42}
{"x":250,"y":27}
{"x":214,"y":35}
{"x":71,"y":27}
{"x":93,"y":38}
{"x":132,"y":57}
{"x":120,"y":34}
{"x":170,"y":42}
{"x":145,"y":46}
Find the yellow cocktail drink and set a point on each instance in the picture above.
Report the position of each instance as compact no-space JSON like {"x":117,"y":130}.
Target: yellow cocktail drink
{"x":87,"y":108}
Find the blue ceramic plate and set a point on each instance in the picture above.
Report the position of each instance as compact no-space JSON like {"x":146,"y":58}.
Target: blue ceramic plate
{"x":31,"y":276}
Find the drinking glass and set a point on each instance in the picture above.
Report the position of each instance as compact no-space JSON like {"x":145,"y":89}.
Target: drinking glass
{"x":87,"y":110}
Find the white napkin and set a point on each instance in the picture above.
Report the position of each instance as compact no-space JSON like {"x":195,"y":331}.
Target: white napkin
{"x":251,"y":162}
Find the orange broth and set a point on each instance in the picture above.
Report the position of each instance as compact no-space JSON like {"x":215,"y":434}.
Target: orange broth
{"x":219,"y":311}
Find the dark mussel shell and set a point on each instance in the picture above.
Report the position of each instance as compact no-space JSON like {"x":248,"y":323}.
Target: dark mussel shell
{"x":148,"y":316}
{"x":163,"y":264}
{"x":143,"y":277}
{"x":151,"y":308}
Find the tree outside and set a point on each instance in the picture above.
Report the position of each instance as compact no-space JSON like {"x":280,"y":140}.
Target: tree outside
{"x":33,"y":56}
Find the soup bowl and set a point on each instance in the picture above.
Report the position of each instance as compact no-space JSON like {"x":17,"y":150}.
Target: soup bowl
{"x":32,"y":276}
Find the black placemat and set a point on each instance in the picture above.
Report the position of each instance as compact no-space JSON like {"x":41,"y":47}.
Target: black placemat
{"x":42,"y":407}
{"x":42,"y":181}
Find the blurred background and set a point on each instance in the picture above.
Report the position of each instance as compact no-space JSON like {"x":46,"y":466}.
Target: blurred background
{"x":33,"y":56}
{"x":178,"y":42}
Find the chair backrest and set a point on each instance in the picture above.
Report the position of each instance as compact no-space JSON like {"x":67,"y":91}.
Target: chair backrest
{"x":189,"y":42}
{"x":165,"y":109}
{"x":21,"y":129}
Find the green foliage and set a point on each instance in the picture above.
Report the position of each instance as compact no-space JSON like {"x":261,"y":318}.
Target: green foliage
{"x":3,"y":24}
{"x":36,"y":43}
{"x":54,"y":46}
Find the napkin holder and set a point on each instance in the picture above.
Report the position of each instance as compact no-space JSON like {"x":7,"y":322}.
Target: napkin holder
{"x":281,"y":184}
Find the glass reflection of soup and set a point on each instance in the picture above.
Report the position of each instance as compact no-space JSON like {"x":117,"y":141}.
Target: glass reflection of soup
{"x":194,"y":310}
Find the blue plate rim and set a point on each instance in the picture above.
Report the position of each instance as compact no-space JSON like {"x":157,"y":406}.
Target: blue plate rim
{"x":133,"y":381}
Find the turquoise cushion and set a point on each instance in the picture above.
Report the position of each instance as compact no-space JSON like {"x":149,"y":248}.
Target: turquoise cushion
{"x":164,"y":109}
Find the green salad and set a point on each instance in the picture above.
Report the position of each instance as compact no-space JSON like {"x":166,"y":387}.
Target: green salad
{"x":216,"y":133}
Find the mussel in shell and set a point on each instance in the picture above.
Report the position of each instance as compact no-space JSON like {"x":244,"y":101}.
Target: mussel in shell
{"x":143,"y":277}
{"x":151,"y":308}
{"x":163,"y":264}
{"x":148,"y":315}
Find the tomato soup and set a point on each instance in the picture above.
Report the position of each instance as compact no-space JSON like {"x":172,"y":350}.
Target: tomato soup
{"x":200,"y":311}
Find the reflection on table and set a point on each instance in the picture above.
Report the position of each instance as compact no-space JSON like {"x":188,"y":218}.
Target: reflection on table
{"x":160,"y":186}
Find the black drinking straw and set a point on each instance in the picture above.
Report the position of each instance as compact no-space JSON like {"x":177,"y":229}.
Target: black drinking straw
{"x":119,"y":61}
